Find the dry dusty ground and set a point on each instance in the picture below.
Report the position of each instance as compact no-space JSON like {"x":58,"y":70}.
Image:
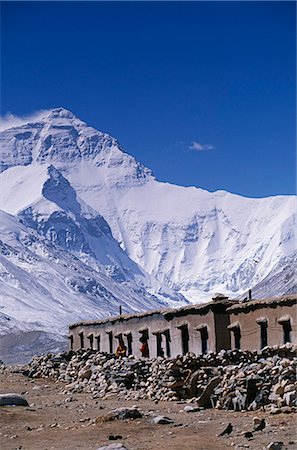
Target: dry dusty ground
{"x":53,"y":422}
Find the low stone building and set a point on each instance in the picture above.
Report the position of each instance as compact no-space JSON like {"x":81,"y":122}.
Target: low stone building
{"x":256,"y":324}
{"x":219,"y":324}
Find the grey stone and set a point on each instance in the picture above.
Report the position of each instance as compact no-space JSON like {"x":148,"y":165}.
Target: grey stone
{"x":86,"y":372}
{"x":113,"y":447}
{"x":127,"y":413}
{"x":204,"y":399}
{"x":274,"y":410}
{"x":289,"y":388}
{"x":162,"y":420}
{"x":189,"y":408}
{"x":286,"y":409}
{"x":12,"y":400}
{"x":275,"y":446}
{"x":289,"y":397}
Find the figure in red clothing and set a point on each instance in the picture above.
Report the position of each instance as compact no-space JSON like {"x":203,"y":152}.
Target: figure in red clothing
{"x":144,"y":349}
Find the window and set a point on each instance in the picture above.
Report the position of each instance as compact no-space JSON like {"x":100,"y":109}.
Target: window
{"x":71,"y":342}
{"x":97,"y":343}
{"x":287,"y":331}
{"x":237,"y":337}
{"x":185,"y":338}
{"x":110,"y":338}
{"x":204,"y":339}
{"x":91,"y":339}
{"x":81,"y":336}
{"x":263,"y":333}
{"x":262,"y":321}
{"x":285,"y":321}
{"x":160,"y":351}
{"x":129,"y":343}
{"x":167,"y":342}
{"x":144,"y":349}
{"x":235,"y":328}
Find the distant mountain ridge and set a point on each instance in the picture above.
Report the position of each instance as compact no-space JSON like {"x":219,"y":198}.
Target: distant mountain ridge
{"x":79,"y":194}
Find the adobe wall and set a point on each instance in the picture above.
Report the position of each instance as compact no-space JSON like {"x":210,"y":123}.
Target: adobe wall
{"x":250,"y":320}
{"x":217,"y":319}
{"x":193,"y":321}
{"x":155,"y":323}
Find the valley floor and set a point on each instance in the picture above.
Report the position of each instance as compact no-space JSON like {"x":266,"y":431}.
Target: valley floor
{"x":61,"y":421}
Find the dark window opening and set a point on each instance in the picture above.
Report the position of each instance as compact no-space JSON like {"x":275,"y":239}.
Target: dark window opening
{"x":160,"y":351}
{"x":237,"y":337}
{"x":167,"y":343}
{"x":287,"y":331}
{"x":110,"y":339}
{"x":129,"y":343}
{"x":204,"y":340}
{"x":91,"y":339}
{"x":185,"y":338}
{"x":121,"y":347}
{"x":81,"y":336}
{"x":263,"y":334}
{"x":98,"y":343}
{"x":144,"y":349}
{"x":71,"y":342}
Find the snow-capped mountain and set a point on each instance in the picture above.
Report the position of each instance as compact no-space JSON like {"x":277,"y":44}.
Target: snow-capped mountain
{"x":75,"y":189}
{"x":60,"y":264}
{"x":194,"y":241}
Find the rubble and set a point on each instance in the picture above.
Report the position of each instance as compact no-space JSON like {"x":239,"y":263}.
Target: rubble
{"x":232,"y":380}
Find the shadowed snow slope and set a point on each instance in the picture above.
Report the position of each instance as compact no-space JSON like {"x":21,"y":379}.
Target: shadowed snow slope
{"x":47,"y":283}
{"x":76,"y":190}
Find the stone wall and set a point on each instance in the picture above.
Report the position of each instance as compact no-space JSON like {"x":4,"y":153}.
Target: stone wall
{"x":233,"y":380}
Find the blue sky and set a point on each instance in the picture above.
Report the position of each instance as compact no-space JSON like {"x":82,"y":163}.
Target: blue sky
{"x":203,"y":93}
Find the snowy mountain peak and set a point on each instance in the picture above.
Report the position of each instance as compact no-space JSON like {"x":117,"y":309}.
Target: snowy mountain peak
{"x":61,"y":139}
{"x":60,"y":113}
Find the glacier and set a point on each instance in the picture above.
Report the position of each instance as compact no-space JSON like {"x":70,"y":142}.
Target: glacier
{"x":98,"y":230}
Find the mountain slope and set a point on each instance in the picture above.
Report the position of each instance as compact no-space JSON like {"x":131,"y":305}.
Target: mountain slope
{"x":44,"y":287}
{"x":193,"y":241}
{"x":47,"y":283}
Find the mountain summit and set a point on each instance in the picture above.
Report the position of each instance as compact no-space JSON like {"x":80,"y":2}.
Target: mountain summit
{"x":77,"y":191}
{"x":61,"y":138}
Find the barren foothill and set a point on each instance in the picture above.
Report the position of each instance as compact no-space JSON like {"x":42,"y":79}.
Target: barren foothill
{"x":77,"y":421}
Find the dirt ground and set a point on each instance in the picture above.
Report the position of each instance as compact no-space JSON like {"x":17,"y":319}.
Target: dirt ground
{"x":59,"y":421}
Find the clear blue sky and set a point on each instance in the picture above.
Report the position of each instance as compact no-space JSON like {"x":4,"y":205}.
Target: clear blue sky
{"x":160,"y":76}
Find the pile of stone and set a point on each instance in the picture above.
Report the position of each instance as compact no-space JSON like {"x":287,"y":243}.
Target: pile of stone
{"x":233,"y":379}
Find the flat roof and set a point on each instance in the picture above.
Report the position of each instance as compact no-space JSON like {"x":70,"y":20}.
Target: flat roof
{"x":272,"y":302}
{"x":200,"y":308}
{"x":168,"y":313}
